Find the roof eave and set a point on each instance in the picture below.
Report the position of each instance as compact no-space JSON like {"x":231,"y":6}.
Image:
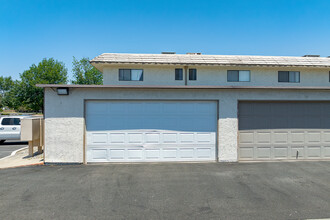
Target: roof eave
{"x":180,"y":87}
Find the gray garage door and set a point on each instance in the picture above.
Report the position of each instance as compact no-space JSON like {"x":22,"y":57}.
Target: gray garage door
{"x":151,"y":131}
{"x":284,"y":130}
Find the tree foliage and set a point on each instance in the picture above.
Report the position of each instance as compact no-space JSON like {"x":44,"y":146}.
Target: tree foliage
{"x":48,"y":71}
{"x":6,"y":84}
{"x":23,"y":95}
{"x":85,"y":73}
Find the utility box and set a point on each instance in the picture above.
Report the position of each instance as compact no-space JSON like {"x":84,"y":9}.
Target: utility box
{"x":32,"y":130}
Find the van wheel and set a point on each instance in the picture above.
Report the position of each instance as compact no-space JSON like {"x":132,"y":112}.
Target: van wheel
{"x":2,"y":141}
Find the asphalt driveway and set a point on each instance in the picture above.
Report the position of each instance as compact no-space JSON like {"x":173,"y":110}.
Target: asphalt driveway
{"x":296,"y":190}
{"x":10,"y":146}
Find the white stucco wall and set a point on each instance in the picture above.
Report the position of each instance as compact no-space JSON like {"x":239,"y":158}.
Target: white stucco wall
{"x":64,"y":115}
{"x":213,"y":75}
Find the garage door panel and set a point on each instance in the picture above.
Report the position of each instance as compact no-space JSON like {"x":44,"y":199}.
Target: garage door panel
{"x":204,"y":152}
{"x":152,"y":154}
{"x":326,"y":151}
{"x":116,"y":154}
{"x":313,"y":152}
{"x":99,"y":138}
{"x":117,"y":138}
{"x":326,"y":136}
{"x":246,"y":137}
{"x":99,"y":154}
{"x":263,"y":137}
{"x":246,"y":153}
{"x":135,"y":154}
{"x":302,"y":127}
{"x":152,"y":131}
{"x":280,"y":137}
{"x":170,"y":138}
{"x":185,"y":138}
{"x":263,"y":152}
{"x":152,"y":138}
{"x":297,"y":137}
{"x":313,"y":137}
{"x":281,"y":152}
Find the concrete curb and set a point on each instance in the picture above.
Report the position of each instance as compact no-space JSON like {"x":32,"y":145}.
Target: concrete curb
{"x":26,"y":165}
{"x":13,"y":153}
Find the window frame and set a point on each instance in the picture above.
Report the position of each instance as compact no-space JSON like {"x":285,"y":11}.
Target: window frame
{"x":239,"y":75}
{"x":288,"y":77}
{"x":181,"y":74}
{"x":130,"y":76}
{"x":190,"y":74}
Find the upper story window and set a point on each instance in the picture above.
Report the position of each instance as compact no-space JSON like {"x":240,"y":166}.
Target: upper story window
{"x":289,"y":76}
{"x":192,"y":74}
{"x":178,"y":74}
{"x":130,"y":75}
{"x":238,"y":75}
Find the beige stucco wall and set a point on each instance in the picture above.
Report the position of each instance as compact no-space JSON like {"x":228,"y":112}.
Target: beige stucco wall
{"x":213,"y":75}
{"x":64,"y":115}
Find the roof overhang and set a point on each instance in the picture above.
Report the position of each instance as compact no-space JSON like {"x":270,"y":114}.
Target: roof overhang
{"x":182,"y":87}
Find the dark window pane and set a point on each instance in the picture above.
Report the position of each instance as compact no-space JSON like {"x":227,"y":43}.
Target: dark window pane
{"x":232,"y":75}
{"x":7,"y":121}
{"x":17,"y":121}
{"x":124,"y":74}
{"x":178,"y":74}
{"x":121,"y":74}
{"x":283,"y":76}
{"x":192,"y":74}
{"x":127,"y":75}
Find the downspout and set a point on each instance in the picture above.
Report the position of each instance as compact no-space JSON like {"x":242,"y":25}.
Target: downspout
{"x":186,"y":75}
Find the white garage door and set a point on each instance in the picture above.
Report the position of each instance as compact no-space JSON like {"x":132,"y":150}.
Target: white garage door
{"x":141,"y":131}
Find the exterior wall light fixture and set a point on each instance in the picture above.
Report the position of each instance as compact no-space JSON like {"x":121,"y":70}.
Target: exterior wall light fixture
{"x":62,"y":91}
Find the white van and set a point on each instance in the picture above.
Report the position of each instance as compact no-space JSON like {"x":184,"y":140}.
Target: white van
{"x":10,"y":128}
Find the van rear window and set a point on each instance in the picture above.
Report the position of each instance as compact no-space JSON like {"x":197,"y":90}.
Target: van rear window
{"x":11,"y":121}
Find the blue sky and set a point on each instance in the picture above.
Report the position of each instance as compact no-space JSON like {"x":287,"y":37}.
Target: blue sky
{"x":31,"y":30}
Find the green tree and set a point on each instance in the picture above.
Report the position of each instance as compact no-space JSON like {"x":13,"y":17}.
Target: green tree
{"x":48,"y":71}
{"x":85,"y":73}
{"x":6,"y":84}
{"x":7,"y":96}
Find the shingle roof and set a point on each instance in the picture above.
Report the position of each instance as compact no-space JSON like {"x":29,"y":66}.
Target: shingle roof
{"x":221,"y":60}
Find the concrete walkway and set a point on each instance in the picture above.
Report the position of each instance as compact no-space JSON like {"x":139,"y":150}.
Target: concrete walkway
{"x":21,"y":158}
{"x":9,"y":146}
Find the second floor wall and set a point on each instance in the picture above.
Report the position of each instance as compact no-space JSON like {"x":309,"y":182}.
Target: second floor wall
{"x":215,"y":75}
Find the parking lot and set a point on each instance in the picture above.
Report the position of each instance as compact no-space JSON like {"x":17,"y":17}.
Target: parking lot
{"x":9,"y":146}
{"x":282,"y":190}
